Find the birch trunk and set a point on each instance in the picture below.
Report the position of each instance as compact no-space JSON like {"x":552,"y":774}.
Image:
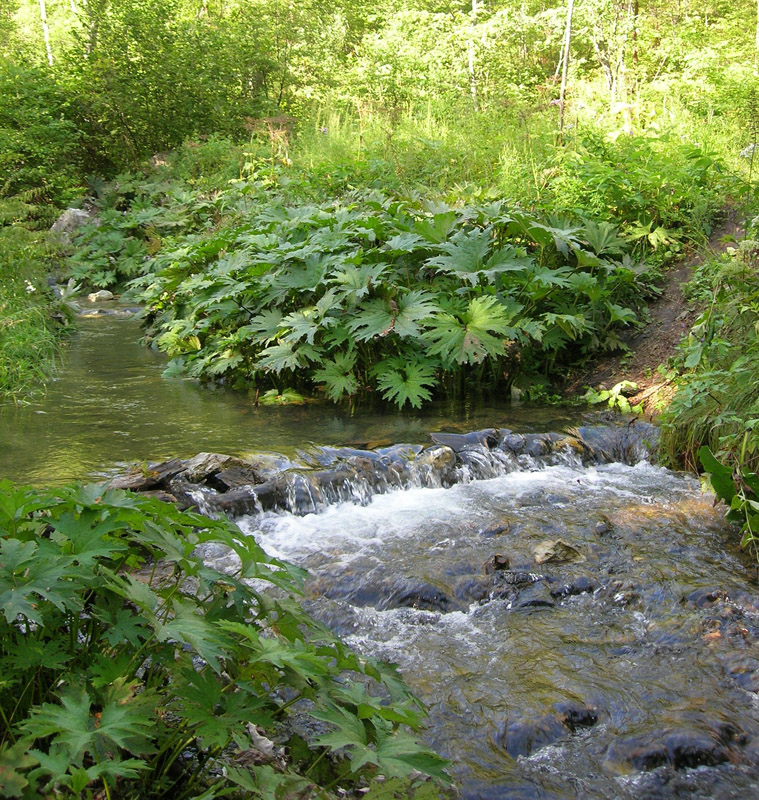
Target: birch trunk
{"x":46,"y":32}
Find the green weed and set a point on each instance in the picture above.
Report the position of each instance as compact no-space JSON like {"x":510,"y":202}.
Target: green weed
{"x":131,"y":668}
{"x":31,"y":321}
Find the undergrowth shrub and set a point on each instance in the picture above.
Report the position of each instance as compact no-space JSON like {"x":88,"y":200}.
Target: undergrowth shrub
{"x":378,"y":293}
{"x":259,"y":283}
{"x":40,"y":156}
{"x":31,"y":321}
{"x":716,"y":403}
{"x":662,"y":191}
{"x":131,"y":668}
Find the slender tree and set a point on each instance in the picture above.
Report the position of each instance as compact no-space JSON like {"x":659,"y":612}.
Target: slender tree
{"x":565,"y":66}
{"x":472,"y":75}
{"x":46,"y":32}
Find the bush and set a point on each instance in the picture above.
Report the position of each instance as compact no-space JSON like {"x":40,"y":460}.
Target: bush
{"x":131,"y":667}
{"x":716,"y":403}
{"x":39,"y":144}
{"x":31,"y":322}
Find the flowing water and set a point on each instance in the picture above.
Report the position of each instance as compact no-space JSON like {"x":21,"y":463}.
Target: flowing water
{"x":622,"y":662}
{"x":110,"y":406}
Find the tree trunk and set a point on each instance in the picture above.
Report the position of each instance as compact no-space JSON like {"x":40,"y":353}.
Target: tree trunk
{"x":472,"y":76}
{"x":46,"y":32}
{"x":565,"y":67}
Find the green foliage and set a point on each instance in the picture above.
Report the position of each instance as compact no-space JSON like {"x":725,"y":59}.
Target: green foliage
{"x":373,"y":292}
{"x":40,"y":151}
{"x":659,"y":191}
{"x":616,"y":397}
{"x":31,"y":321}
{"x":130,"y":665}
{"x":739,"y":488}
{"x":716,"y":404}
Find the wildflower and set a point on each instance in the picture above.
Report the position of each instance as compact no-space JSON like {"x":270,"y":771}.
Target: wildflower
{"x":29,"y":287}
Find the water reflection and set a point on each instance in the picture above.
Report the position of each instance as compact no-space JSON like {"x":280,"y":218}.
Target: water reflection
{"x":110,"y":406}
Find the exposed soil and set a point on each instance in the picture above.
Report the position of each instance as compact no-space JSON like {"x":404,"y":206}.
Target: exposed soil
{"x":671,"y":316}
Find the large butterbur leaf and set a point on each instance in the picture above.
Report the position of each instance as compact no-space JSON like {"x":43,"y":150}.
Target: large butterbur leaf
{"x":482,"y":330}
{"x":404,"y":316}
{"x":338,"y":376}
{"x":405,"y":380}
{"x":464,"y":255}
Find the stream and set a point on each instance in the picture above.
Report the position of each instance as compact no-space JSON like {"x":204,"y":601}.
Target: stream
{"x":578,"y":620}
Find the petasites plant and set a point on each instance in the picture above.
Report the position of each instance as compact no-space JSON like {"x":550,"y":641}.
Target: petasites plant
{"x":374,"y":293}
{"x":132,"y":669}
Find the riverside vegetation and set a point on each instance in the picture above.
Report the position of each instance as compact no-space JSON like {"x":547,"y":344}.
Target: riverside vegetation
{"x":357,"y":199}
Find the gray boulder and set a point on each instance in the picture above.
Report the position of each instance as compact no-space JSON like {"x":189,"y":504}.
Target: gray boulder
{"x":71,"y":220}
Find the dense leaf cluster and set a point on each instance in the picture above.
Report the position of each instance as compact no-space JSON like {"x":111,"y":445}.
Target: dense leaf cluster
{"x":132,"y":667}
{"x":373,"y":293}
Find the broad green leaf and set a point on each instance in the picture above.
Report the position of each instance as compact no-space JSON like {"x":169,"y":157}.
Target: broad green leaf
{"x":482,"y":331}
{"x":379,"y":318}
{"x":188,"y":626}
{"x":286,"y":356}
{"x":405,"y":381}
{"x":721,"y":476}
{"x":438,"y":228}
{"x":338,"y":376}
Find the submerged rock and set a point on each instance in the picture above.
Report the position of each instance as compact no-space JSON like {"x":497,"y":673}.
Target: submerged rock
{"x":535,"y":595}
{"x":577,"y":586}
{"x":576,"y":715}
{"x":556,"y":552}
{"x":496,"y":563}
{"x":496,"y":530}
{"x":522,"y":737}
{"x":409,"y":593}
{"x":678,"y":749}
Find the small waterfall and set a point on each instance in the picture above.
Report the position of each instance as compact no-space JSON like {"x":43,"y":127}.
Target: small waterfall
{"x":326,"y":476}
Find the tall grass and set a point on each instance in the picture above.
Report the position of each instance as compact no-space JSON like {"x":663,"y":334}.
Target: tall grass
{"x":30,"y":323}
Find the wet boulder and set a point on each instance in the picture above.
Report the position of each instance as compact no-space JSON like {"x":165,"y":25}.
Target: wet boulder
{"x":514,"y":443}
{"x":556,"y":551}
{"x":678,"y":749}
{"x":496,"y":563}
{"x":268,"y":496}
{"x":204,"y":465}
{"x":234,"y":477}
{"x":473,"y":590}
{"x":581,"y":585}
{"x":439,"y":458}
{"x":413,"y":593}
{"x":536,"y":595}
{"x":576,"y":715}
{"x":705,"y":597}
{"x":687,"y":750}
{"x":521,"y":737}
{"x":636,"y":753}
{"x":628,"y":443}
{"x":459,"y":442}
{"x":154,"y":476}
